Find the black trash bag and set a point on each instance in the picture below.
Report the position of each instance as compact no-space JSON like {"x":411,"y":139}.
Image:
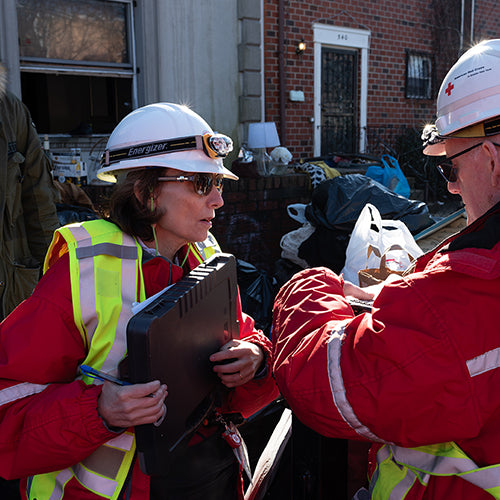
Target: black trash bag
{"x":284,"y":269}
{"x":337,"y":203}
{"x":257,"y":294}
{"x":326,"y":247}
{"x":68,"y":214}
{"x":335,"y":207}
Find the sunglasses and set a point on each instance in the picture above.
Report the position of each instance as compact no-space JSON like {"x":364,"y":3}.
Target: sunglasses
{"x":446,"y":168}
{"x":202,"y":183}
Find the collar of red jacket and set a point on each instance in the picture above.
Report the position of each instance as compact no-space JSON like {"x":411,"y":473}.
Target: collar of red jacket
{"x":482,"y":233}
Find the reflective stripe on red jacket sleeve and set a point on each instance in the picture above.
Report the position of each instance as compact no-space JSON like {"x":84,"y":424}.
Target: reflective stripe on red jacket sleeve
{"x":337,"y":384}
{"x":48,"y":421}
{"x":304,"y":313}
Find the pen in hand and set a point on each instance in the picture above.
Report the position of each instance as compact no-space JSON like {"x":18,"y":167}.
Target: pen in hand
{"x":93,"y":373}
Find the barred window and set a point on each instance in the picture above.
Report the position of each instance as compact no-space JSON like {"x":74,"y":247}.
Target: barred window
{"x":418,"y":76}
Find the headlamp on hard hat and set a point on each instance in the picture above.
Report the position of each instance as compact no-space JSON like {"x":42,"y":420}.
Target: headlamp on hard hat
{"x":430,"y":135}
{"x":217,"y":145}
{"x":213,"y":145}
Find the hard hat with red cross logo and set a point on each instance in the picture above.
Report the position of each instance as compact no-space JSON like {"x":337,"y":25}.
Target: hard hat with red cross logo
{"x":468,"y":103}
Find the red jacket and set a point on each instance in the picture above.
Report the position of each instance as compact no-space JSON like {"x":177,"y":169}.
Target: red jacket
{"x":422,"y":368}
{"x":59,"y":425}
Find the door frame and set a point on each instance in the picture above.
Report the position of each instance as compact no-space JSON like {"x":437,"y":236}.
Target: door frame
{"x":345,"y":38}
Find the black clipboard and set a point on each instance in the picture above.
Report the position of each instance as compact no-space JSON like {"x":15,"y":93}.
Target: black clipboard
{"x":171,"y":339}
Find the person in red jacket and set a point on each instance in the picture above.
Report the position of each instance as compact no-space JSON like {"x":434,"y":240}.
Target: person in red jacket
{"x":71,"y":437}
{"x":417,"y":375}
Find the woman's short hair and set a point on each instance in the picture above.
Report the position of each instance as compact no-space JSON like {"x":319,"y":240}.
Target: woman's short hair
{"x":131,"y":205}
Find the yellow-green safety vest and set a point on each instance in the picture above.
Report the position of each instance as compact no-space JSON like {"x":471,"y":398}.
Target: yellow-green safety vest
{"x":399,"y":468}
{"x":106,"y":278}
{"x":105,"y":275}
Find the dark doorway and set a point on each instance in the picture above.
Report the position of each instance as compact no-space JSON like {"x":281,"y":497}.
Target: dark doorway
{"x":339,"y":101}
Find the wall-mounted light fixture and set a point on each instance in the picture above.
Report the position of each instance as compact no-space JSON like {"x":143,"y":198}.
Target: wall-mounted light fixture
{"x":301,"y":46}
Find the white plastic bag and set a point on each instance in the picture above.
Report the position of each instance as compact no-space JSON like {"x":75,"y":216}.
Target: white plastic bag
{"x":297,"y":211}
{"x":290,"y":244}
{"x":371,"y":230}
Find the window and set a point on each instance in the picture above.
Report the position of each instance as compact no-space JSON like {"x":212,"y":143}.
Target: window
{"x":77,"y":63}
{"x":418,"y":76}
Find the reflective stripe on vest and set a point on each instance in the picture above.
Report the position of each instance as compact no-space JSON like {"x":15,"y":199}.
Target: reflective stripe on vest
{"x":105,"y":275}
{"x":399,"y":468}
{"x":102,"y":258}
{"x":103,"y":472}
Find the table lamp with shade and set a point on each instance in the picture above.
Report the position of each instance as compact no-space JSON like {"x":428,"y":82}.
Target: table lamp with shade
{"x":262,"y":135}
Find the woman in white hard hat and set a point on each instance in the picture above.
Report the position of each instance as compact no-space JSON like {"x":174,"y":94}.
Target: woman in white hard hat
{"x":69,"y":436}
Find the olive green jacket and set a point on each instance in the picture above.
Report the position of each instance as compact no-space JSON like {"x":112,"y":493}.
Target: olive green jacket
{"x":28,"y":214}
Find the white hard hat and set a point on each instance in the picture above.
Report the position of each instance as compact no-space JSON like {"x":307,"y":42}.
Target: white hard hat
{"x":468,"y":103}
{"x":165,"y":135}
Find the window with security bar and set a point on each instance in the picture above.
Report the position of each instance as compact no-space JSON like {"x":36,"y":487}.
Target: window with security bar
{"x":77,"y":63}
{"x":419,"y":69}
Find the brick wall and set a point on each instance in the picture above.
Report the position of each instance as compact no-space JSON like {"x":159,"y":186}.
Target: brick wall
{"x":254,"y":217}
{"x":395,"y":26}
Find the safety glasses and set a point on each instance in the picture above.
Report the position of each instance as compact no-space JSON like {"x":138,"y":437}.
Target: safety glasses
{"x":446,"y":168}
{"x":202,"y":183}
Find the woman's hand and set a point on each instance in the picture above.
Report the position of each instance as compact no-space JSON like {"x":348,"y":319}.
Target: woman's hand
{"x":130,"y":405}
{"x":245,"y":359}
